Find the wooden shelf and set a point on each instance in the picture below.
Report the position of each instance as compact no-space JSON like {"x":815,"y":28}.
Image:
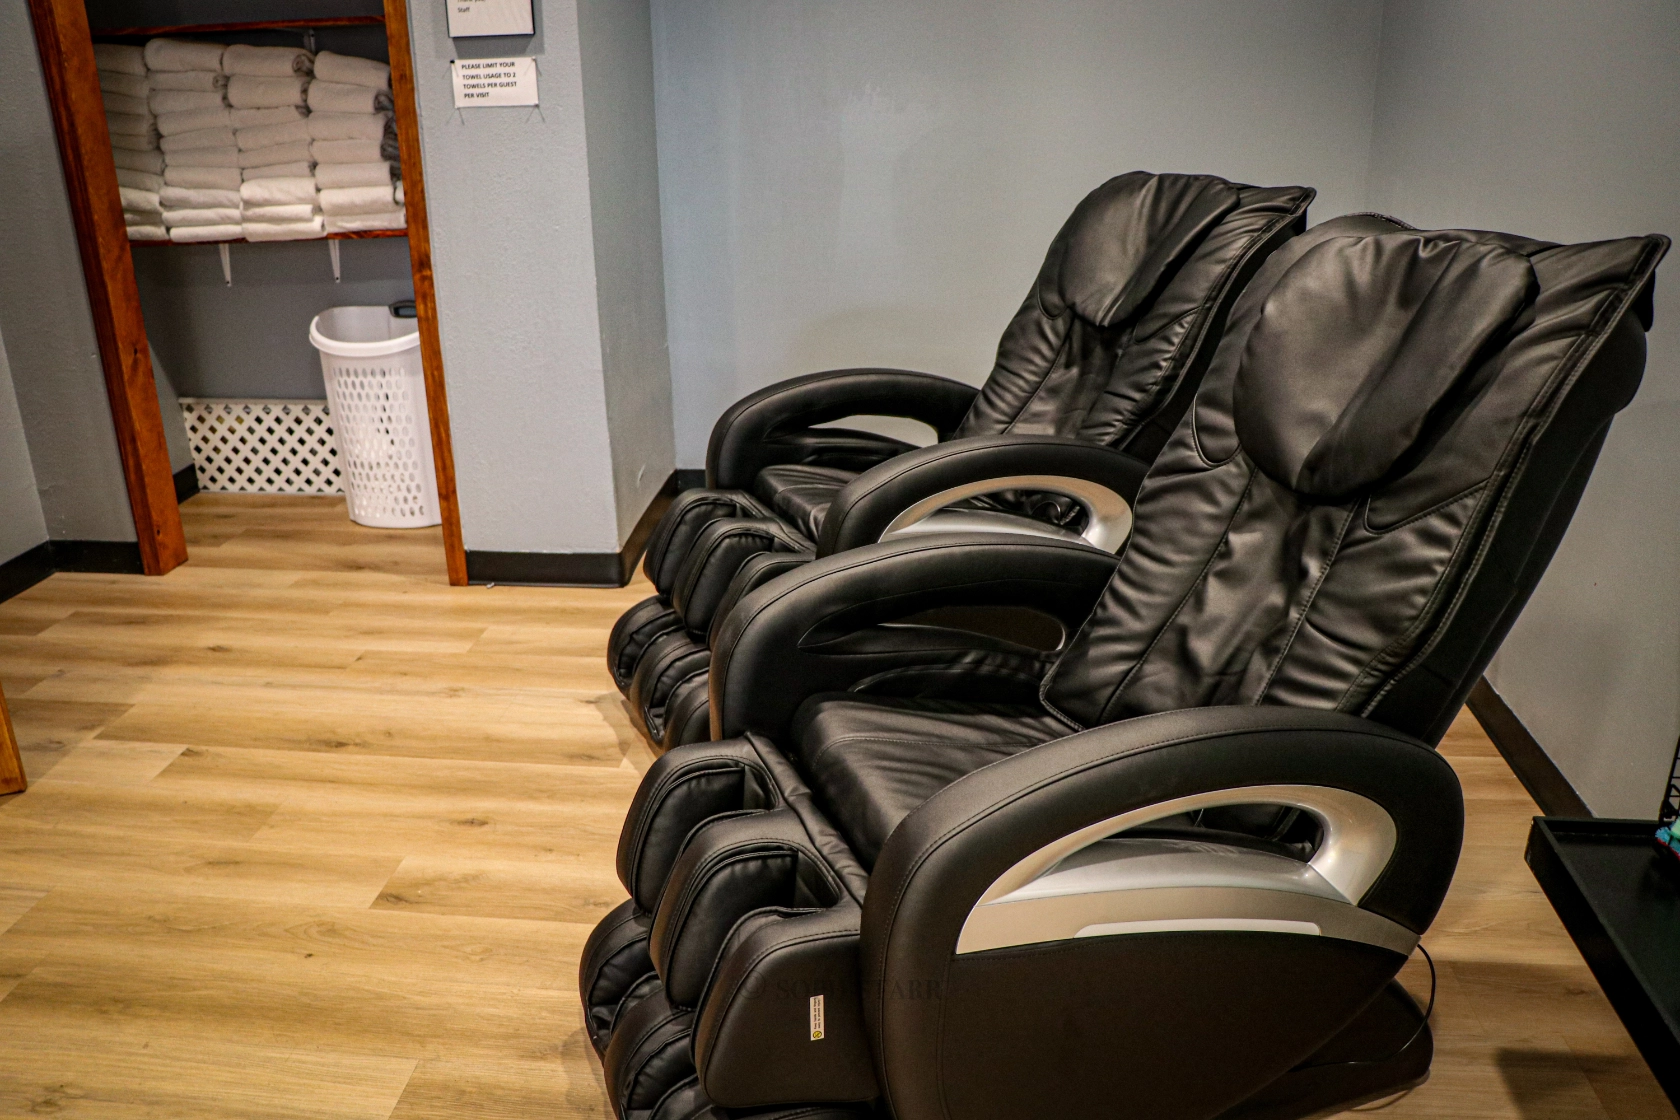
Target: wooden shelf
{"x":358,"y":235}
{"x":249,"y":25}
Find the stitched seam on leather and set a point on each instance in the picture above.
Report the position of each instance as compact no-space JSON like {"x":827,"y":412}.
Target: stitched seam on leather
{"x":713,"y":865}
{"x":1312,"y":597}
{"x":1201,"y":576}
{"x":938,"y":842}
{"x":637,"y":1078}
{"x":828,"y":745}
{"x":1587,"y":346}
{"x":1061,"y":348}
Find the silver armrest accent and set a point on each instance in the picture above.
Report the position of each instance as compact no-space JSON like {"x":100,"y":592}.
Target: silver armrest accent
{"x":1108,"y":517}
{"x":1099,"y":882}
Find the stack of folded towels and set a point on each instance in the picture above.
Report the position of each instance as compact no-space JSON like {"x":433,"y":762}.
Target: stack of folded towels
{"x":354,"y":144}
{"x":134,"y":138}
{"x":266,"y":88}
{"x":200,"y":194}
{"x":215,"y":143}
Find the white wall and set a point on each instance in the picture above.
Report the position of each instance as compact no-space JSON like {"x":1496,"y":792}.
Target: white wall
{"x":21,"y":525}
{"x":44,"y":316}
{"x":876,"y":182}
{"x":1561,"y":119}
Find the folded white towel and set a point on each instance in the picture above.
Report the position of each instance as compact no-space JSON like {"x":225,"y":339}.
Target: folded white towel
{"x":188,"y":81}
{"x":285,"y":231}
{"x":344,"y":151}
{"x":139,"y":180}
{"x":122,"y":103}
{"x":266,"y":62}
{"x":191,"y":120}
{"x":292,"y":212}
{"x":151,"y":162}
{"x":146,"y":143}
{"x":300,"y":170}
{"x":181,"y":54}
{"x":297,"y":152}
{"x":246,"y":92}
{"x":337,"y":97}
{"x":347,"y":126}
{"x":205,"y":157}
{"x":131,"y":124}
{"x":353,"y":175}
{"x":202,"y":178}
{"x":200,"y":138}
{"x":359,"y":223}
{"x":185,"y":101}
{"x":278,"y":192}
{"x":197,"y":198}
{"x":229,"y":232}
{"x":139,"y":201}
{"x":138,"y":232}
{"x":268,"y":135}
{"x":339,"y":201}
{"x":128,"y":85}
{"x":205,"y":216}
{"x":255,"y":118}
{"x":120,"y":59}
{"x":347,"y":69}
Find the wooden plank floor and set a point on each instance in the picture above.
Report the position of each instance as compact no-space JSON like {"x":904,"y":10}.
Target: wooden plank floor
{"x":313,"y":834}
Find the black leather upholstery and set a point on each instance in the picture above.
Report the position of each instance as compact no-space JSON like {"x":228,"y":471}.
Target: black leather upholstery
{"x":1105,"y":351}
{"x":900,"y":837}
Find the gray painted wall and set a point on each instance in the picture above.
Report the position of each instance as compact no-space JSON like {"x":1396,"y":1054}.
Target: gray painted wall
{"x":617,"y":54}
{"x":515,"y":256}
{"x":876,"y":182}
{"x":252,"y":339}
{"x":21,"y":525}
{"x":44,"y":316}
{"x":1562,"y":120}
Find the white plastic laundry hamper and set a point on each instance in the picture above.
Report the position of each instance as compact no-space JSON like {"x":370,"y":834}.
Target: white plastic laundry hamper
{"x":376,"y":395}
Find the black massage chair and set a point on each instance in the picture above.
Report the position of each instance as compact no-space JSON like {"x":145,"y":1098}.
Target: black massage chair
{"x":1168,"y":867}
{"x":1092,"y":374}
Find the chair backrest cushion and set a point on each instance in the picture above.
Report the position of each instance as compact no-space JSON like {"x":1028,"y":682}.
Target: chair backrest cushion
{"x":1131,"y":288}
{"x":1380,"y":459}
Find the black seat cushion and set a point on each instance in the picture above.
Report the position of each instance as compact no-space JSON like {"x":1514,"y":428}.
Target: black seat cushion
{"x":871,"y":760}
{"x":801,"y":493}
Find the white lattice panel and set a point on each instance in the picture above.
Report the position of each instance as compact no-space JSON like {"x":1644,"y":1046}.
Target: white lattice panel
{"x":263,"y":447}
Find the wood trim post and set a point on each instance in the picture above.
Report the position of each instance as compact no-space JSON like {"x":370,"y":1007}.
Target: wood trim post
{"x":90,"y":179}
{"x":425,"y":295}
{"x":12,"y":779}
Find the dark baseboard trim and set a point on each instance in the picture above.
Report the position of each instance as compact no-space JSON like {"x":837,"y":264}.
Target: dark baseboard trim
{"x":24,"y":571}
{"x":1526,"y":758}
{"x":689,"y":478}
{"x":574,"y":569}
{"x":186,"y":482}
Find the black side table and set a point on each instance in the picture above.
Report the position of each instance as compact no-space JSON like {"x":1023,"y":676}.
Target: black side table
{"x":1606,"y":881}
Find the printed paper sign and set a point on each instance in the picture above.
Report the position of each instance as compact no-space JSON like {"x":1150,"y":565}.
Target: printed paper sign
{"x":489,"y":17}
{"x":494,"y":81}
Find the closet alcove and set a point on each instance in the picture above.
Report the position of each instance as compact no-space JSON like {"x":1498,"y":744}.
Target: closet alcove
{"x":210,"y":338}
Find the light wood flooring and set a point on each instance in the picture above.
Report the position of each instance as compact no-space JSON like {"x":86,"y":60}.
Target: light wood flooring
{"x":313,"y":834}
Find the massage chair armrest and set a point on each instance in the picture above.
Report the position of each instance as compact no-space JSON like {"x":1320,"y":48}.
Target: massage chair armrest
{"x":995,"y":869}
{"x":1390,"y":808}
{"x":840,"y":624}
{"x":898,"y":496}
{"x":769,"y":427}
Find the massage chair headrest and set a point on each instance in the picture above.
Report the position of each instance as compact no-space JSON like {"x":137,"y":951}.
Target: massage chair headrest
{"x":1126,"y":238}
{"x":1359,"y":343}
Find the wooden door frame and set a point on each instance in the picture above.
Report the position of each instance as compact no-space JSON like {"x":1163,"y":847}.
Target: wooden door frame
{"x":12,"y":778}
{"x":90,"y":180}
{"x":407,"y":116}
{"x":65,"y":42}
